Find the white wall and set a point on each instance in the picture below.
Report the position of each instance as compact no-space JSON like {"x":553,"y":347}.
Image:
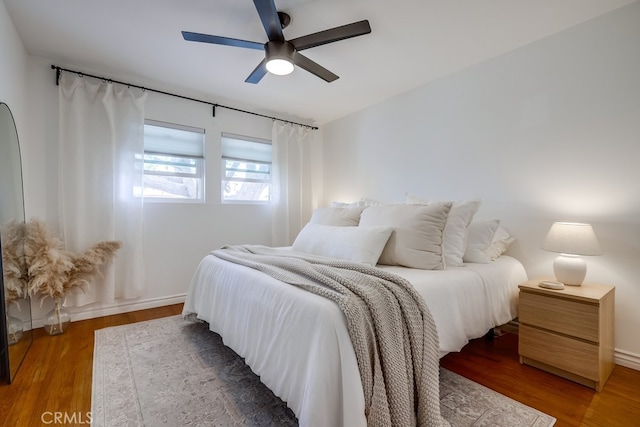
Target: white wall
{"x":13,"y":63}
{"x":177,"y":236}
{"x":547,"y":132}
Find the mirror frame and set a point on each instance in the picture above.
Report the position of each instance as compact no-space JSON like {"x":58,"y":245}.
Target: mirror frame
{"x":11,"y":357}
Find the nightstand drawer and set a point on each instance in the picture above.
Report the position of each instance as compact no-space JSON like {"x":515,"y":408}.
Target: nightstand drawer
{"x":577,"y":357}
{"x":574,"y":318}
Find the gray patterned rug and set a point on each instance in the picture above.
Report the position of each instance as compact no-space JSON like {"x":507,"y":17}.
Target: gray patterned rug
{"x":173,"y":372}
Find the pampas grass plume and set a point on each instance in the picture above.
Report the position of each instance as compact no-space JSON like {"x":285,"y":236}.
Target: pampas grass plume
{"x":54,"y":271}
{"x":13,"y":263}
{"x":86,"y":266}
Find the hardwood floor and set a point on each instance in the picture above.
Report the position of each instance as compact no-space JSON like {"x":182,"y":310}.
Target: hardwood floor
{"x":55,"y":377}
{"x":55,"y":380}
{"x":495,"y":365}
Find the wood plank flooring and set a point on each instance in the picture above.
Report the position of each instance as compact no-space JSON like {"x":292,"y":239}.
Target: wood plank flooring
{"x":495,"y":365}
{"x":55,"y":377}
{"x":55,"y":380}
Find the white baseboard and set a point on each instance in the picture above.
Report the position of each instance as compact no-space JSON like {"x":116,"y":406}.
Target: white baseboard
{"x":80,"y":313}
{"x":627,"y":359}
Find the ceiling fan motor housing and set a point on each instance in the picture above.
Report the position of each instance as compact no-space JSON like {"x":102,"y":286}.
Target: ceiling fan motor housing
{"x":279,"y":50}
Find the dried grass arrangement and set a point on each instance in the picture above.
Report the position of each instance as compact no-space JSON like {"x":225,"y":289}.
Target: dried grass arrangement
{"x":54,"y":271}
{"x":13,"y":263}
{"x":14,"y":272}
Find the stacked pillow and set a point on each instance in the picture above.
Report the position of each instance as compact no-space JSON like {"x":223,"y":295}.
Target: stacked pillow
{"x":342,"y":216}
{"x":420,"y":233}
{"x":487,"y":240}
{"x":455,"y":231}
{"x":416,"y":240}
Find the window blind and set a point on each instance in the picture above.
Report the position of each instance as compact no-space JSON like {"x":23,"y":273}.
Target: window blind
{"x":244,"y":148}
{"x":171,"y":139}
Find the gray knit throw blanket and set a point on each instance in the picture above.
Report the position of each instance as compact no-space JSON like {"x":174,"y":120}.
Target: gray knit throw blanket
{"x":390,"y":325}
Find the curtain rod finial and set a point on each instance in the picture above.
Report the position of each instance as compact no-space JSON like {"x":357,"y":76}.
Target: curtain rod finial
{"x":58,"y":71}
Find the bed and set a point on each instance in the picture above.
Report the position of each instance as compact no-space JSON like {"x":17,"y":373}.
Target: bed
{"x":298,"y":342}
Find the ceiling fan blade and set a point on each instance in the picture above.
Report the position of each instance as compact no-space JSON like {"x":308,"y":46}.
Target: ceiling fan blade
{"x":313,"y":67}
{"x":259,"y":72}
{"x":226,"y":41}
{"x":270,"y":19}
{"x":332,"y":35}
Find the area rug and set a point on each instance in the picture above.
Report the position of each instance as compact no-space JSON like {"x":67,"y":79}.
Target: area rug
{"x":174,"y":372}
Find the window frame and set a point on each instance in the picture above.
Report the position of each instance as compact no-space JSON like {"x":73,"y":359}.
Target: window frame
{"x":223,"y":173}
{"x":200,"y":163}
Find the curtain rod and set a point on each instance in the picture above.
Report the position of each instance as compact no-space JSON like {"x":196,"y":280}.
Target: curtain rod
{"x":214,"y":105}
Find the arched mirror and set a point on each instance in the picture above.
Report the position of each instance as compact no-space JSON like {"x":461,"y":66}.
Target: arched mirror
{"x":15,"y":309}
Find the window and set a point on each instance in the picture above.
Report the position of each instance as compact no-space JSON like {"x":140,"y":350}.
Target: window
{"x":173,"y":163}
{"x":246,"y":169}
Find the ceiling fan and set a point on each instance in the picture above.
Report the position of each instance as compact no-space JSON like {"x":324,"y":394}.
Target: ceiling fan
{"x":281,"y":54}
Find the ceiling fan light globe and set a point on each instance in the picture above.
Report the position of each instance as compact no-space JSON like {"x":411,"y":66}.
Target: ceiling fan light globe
{"x":280,"y":67}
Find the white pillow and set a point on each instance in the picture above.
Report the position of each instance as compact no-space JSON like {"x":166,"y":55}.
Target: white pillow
{"x":499,"y":244}
{"x":479,"y":238}
{"x":455,"y":231}
{"x":416,"y":240}
{"x":358,"y":244}
{"x":346,"y":216}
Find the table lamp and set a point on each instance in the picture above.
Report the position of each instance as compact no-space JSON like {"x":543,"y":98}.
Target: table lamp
{"x":571,"y":240}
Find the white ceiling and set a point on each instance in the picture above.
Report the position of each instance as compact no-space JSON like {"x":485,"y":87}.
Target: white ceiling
{"x":412,"y":43}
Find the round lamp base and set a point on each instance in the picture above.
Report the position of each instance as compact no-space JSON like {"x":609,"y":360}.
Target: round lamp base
{"x":570,"y":269}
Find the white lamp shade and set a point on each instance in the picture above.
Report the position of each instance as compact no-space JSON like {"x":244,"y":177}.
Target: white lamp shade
{"x":572,"y":238}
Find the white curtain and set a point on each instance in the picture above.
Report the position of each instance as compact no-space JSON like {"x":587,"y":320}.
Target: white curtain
{"x":101,"y":142}
{"x":297,"y":173}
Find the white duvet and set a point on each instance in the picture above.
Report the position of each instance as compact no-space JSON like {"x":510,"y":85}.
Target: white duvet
{"x":297,"y":342}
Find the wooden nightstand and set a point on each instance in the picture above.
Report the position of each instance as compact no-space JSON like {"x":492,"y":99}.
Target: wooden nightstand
{"x":568,"y":332}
